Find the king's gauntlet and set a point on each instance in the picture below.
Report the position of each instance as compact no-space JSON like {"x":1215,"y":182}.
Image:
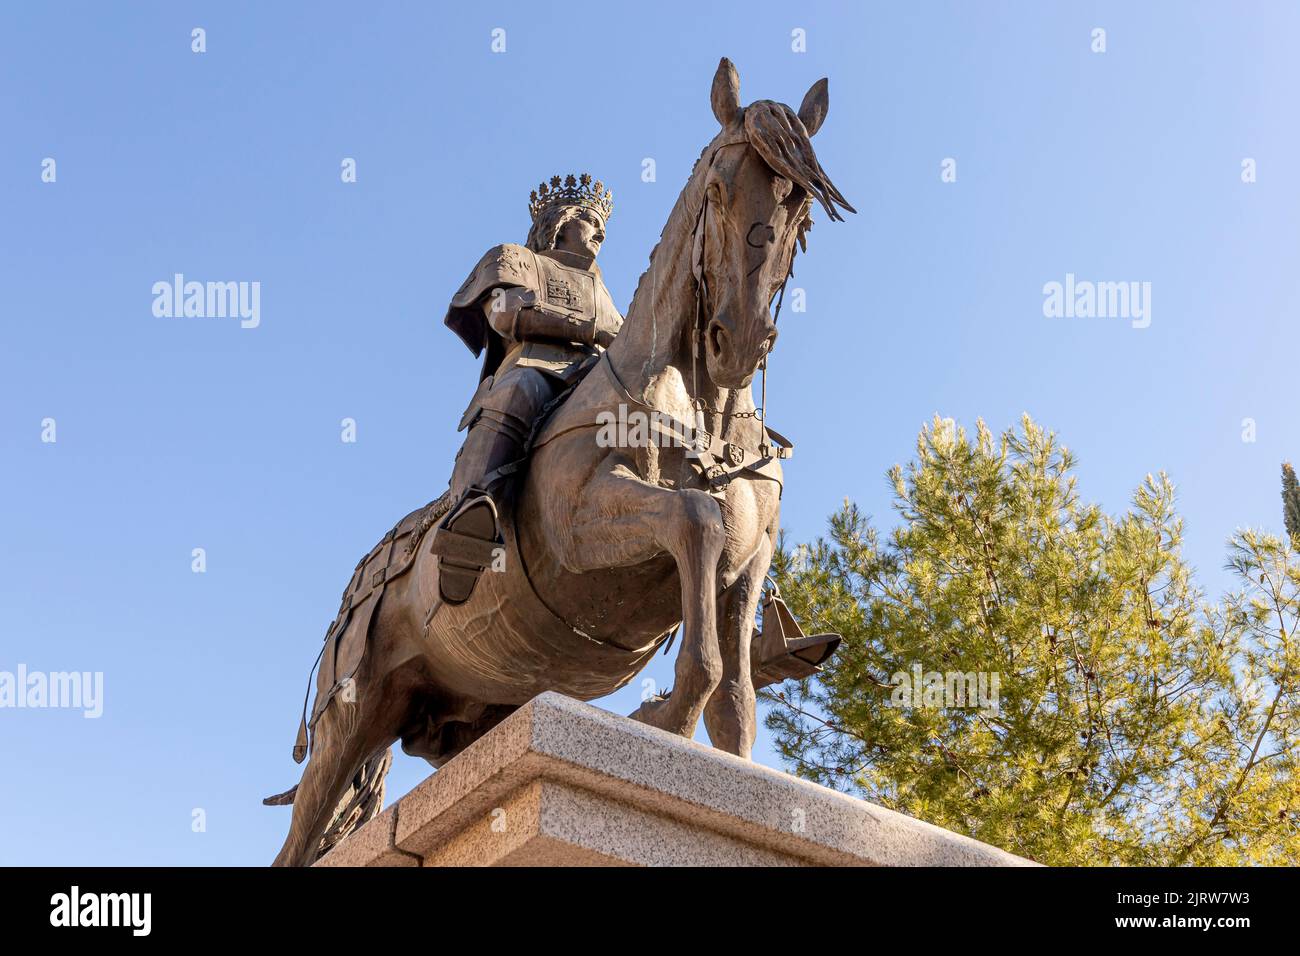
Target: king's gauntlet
{"x":540,"y":322}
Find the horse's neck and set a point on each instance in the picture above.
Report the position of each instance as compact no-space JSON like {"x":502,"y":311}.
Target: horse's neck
{"x":653,"y":353}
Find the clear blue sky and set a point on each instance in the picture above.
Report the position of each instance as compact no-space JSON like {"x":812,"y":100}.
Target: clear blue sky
{"x":182,"y":433}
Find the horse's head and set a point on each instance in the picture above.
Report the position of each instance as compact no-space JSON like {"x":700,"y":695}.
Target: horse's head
{"x":759,"y":184}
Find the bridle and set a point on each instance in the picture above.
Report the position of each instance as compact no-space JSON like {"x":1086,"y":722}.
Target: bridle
{"x":717,"y":460}
{"x":699,"y":234}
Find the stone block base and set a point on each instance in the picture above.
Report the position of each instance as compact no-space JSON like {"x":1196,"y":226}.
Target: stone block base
{"x":561,"y":783}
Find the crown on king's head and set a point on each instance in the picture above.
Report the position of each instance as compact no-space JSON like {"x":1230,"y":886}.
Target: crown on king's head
{"x":572,"y":191}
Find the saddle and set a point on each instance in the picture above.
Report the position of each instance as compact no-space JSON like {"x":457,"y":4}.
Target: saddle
{"x":349,"y":633}
{"x":345,"y":640}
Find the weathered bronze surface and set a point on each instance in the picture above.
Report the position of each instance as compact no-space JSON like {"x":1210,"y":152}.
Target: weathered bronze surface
{"x":605,"y":548}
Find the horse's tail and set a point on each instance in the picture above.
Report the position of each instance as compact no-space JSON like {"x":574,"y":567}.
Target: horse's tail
{"x":359,"y":805}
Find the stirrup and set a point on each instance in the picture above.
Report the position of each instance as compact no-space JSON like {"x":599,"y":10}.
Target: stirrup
{"x":466,"y":543}
{"x":781,"y":650}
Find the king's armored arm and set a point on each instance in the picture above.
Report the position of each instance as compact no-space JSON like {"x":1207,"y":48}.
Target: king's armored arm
{"x":516,"y":314}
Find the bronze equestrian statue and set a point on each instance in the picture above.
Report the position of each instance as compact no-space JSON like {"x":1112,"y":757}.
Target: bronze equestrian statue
{"x":598,"y":551}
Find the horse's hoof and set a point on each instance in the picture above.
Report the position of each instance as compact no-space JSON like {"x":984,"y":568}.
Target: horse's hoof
{"x":651,"y":711}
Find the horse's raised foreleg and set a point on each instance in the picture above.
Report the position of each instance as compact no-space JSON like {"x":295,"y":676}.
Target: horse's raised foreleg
{"x":634,"y":522}
{"x":729,"y":713}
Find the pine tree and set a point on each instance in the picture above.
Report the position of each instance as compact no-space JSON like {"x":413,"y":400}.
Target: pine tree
{"x":1022,"y":668}
{"x":1290,"y":500}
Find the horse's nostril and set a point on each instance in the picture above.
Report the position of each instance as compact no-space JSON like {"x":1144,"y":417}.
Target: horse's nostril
{"x":716,"y":335}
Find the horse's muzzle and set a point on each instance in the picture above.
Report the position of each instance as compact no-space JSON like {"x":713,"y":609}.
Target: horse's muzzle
{"x":733,"y":356}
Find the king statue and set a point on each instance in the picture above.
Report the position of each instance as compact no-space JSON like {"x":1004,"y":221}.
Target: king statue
{"x":542,"y":315}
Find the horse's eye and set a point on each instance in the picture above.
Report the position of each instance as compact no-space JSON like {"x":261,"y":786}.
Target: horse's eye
{"x":760,"y":233}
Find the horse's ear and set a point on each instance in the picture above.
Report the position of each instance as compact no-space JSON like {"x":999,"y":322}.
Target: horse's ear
{"x":726,"y":92}
{"x":812,"y":111}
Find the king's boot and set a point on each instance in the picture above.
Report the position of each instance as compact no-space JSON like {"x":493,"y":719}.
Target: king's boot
{"x":469,"y":539}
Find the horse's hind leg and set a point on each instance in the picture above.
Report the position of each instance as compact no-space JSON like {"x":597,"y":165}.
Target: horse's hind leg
{"x":348,"y":732}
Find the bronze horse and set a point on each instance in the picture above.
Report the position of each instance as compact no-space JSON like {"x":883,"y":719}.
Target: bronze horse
{"x":607,"y":548}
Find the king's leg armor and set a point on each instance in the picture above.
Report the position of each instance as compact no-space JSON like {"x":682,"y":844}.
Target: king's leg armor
{"x":467,"y":540}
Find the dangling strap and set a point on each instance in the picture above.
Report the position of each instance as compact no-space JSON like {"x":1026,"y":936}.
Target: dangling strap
{"x":300,"y":742}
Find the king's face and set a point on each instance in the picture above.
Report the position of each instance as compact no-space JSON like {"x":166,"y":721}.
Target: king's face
{"x":582,"y":234}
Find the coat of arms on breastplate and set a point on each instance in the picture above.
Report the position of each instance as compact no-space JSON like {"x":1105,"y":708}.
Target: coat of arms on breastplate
{"x":560,"y":292}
